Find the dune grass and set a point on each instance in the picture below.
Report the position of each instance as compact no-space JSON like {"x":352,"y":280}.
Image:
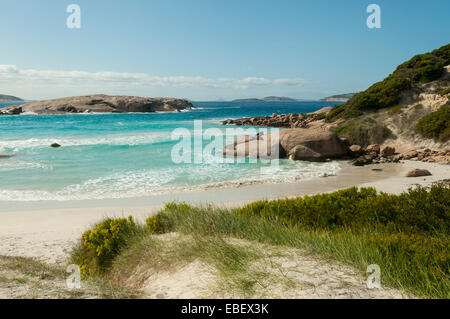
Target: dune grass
{"x":28,"y":278}
{"x":407,"y":235}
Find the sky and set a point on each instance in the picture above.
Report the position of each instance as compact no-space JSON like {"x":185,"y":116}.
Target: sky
{"x":210,"y":49}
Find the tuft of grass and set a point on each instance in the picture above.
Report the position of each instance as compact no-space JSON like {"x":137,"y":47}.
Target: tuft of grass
{"x":395,"y":109}
{"x":31,"y":267}
{"x":236,"y":264}
{"x":30,"y":278}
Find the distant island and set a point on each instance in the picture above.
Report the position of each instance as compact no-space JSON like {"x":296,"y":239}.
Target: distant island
{"x":100,"y":103}
{"x":339,"y":97}
{"x":9,"y":98}
{"x":267,"y":99}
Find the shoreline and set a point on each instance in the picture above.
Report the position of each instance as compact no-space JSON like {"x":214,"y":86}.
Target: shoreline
{"x":48,"y":232}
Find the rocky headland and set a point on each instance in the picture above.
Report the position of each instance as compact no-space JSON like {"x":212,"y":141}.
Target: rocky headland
{"x":100,"y":103}
{"x":339,"y":97}
{"x":267,"y":99}
{"x":9,"y":98}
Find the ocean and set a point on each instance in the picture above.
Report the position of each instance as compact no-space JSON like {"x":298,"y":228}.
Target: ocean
{"x":105,"y":156}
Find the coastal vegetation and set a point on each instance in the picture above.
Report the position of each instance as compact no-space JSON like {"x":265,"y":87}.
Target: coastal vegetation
{"x":436,"y":125}
{"x":406,"y":235}
{"x":420,"y":69}
{"x":364,"y":131}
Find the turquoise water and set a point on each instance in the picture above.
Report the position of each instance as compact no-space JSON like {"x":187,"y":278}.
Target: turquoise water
{"x":129,"y":155}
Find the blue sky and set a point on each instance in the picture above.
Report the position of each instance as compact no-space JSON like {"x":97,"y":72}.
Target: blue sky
{"x":210,"y":49}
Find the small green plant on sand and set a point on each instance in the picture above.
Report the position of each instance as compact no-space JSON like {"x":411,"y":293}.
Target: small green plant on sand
{"x":100,"y":245}
{"x":158,"y":224}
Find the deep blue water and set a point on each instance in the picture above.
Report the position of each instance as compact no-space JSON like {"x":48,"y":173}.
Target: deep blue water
{"x":129,"y":155}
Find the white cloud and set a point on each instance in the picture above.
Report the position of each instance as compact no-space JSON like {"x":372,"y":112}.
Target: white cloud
{"x":12,"y":72}
{"x":30,"y":81}
{"x":291,"y":82}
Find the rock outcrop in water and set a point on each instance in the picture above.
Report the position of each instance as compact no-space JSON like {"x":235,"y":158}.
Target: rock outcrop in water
{"x":101,"y":104}
{"x":298,"y":144}
{"x":291,"y":120}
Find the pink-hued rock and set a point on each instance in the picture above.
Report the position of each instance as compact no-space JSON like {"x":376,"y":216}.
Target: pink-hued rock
{"x":303,"y":153}
{"x":325,"y":143}
{"x":417,"y":172}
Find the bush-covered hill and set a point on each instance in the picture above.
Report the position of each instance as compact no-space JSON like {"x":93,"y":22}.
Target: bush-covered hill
{"x":422,"y":68}
{"x":409,"y":106}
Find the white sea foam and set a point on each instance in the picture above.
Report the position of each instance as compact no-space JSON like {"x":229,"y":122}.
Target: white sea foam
{"x":141,"y":139}
{"x":129,"y":184}
{"x":12,"y":165}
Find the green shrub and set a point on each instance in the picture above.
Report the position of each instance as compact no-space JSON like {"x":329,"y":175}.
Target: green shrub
{"x":421,"y":69}
{"x":380,"y":95}
{"x":339,"y":110}
{"x":415,"y":260}
{"x":418,"y":211}
{"x":444,"y":92}
{"x":395,"y":109}
{"x":363,"y":131}
{"x":436,"y":125}
{"x":158,"y":224}
{"x":100,"y":245}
